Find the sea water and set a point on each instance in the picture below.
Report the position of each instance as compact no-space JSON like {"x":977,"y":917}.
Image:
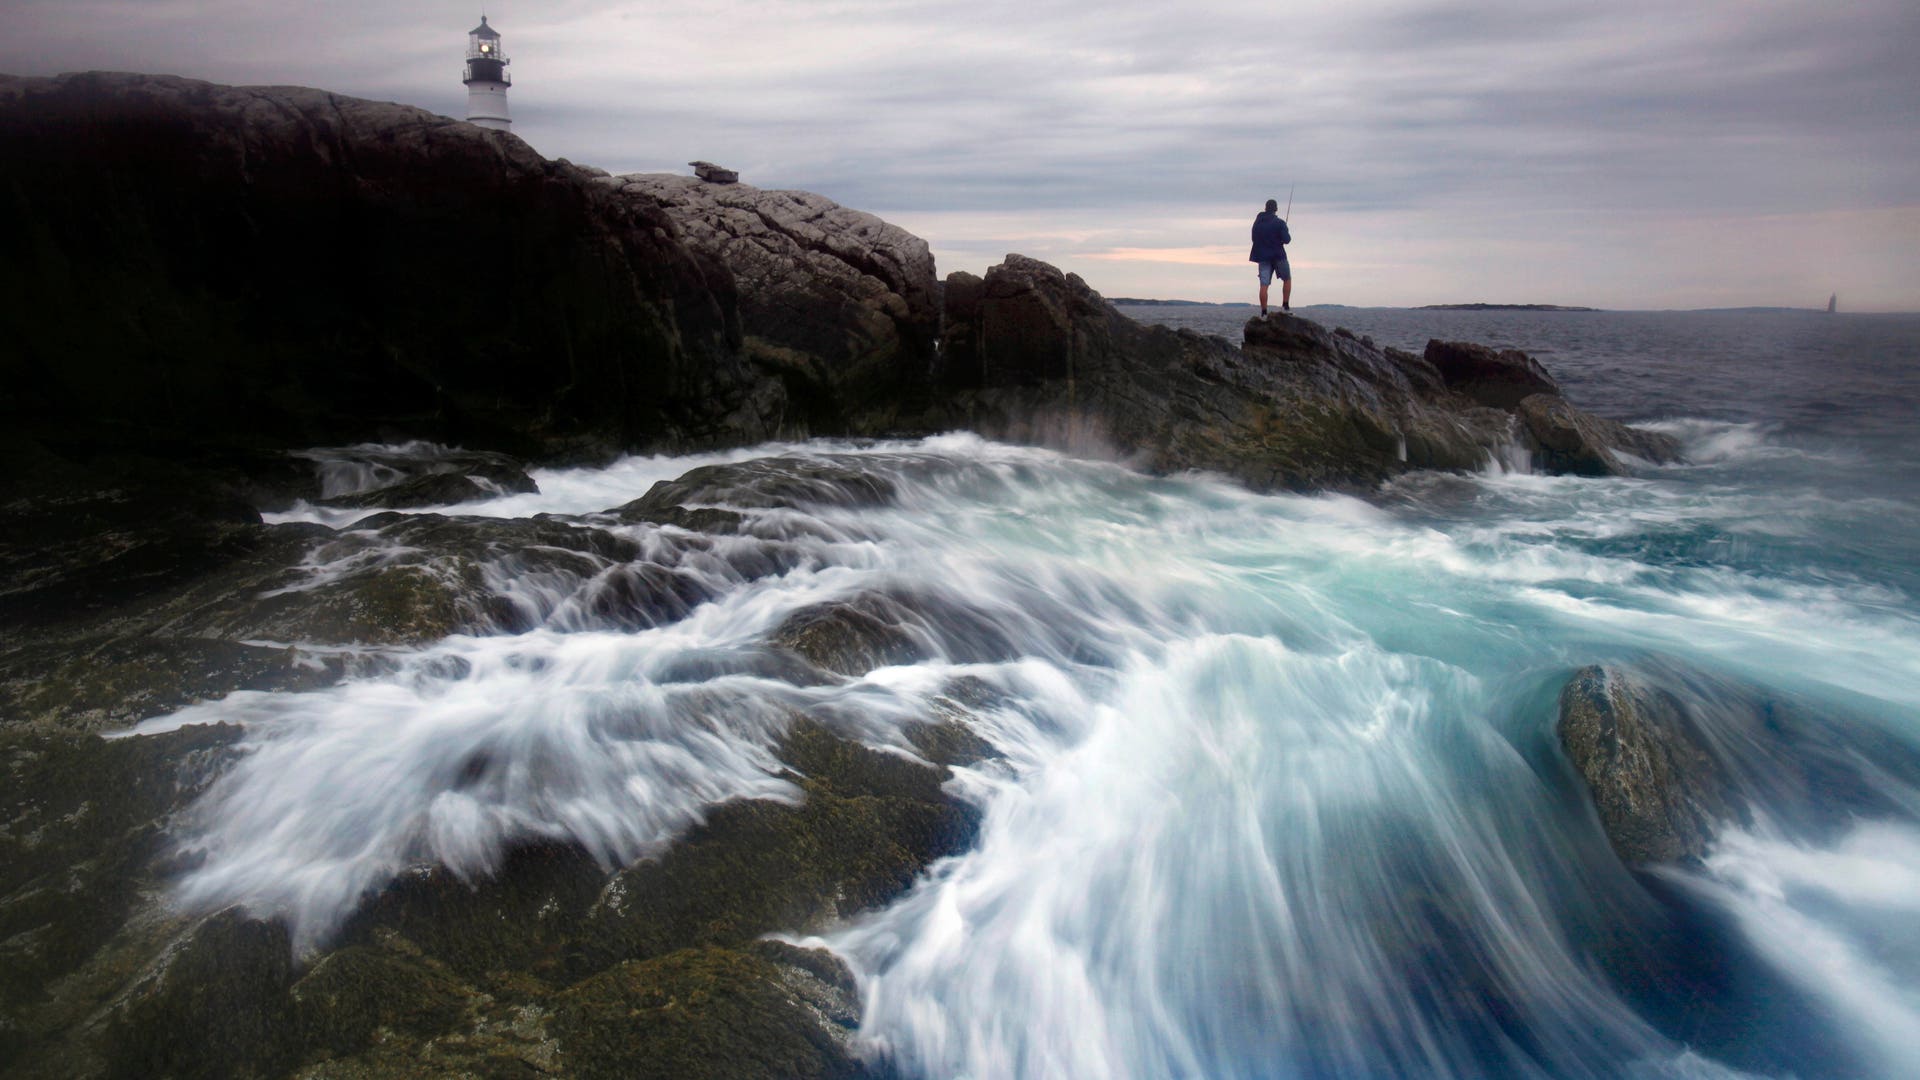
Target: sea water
{"x":1280,"y":794}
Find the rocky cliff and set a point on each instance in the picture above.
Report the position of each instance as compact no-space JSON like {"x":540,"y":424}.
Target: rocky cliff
{"x":199,"y":281}
{"x":276,"y":266}
{"x":191,"y":267}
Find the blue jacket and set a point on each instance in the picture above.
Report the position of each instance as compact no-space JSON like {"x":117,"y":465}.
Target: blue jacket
{"x":1269,"y":238}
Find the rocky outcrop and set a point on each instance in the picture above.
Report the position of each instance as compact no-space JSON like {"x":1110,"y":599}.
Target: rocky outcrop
{"x":1499,"y":379}
{"x":1671,"y":755}
{"x":189,"y":264}
{"x":1031,"y":353}
{"x":837,"y":304}
{"x":1659,"y":793}
{"x":198,"y":271}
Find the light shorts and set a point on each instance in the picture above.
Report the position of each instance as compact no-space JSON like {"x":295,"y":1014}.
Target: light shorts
{"x":1274,"y":266}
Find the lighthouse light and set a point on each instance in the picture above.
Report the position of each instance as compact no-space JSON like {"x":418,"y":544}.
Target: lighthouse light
{"x":486,"y":48}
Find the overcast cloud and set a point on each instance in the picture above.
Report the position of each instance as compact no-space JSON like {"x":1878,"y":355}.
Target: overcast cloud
{"x":1633,"y":154}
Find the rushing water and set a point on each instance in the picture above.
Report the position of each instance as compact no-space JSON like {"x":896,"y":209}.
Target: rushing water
{"x":1280,"y":795}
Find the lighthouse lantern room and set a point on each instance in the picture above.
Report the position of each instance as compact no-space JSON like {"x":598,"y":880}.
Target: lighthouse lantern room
{"x":486,"y":78}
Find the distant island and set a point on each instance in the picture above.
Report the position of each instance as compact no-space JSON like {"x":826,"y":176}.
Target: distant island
{"x":1502,"y":307}
{"x":1137,"y":302}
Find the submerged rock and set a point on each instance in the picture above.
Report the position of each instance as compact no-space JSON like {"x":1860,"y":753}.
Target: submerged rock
{"x":1671,"y":755}
{"x":1659,"y":793}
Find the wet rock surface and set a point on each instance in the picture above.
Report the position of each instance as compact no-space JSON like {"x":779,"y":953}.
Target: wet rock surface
{"x":1659,"y":793}
{"x":537,"y":968}
{"x":1670,"y":756}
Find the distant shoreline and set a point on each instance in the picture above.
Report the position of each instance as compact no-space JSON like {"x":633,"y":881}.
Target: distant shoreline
{"x":1502,"y":307}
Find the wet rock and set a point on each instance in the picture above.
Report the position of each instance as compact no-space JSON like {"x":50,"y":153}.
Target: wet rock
{"x":217,"y":1005}
{"x":869,"y":824}
{"x":705,"y":1013}
{"x":705,"y":519}
{"x":1670,"y":754}
{"x":770,"y":482}
{"x":949,"y":738}
{"x":1498,"y":379}
{"x":98,"y":685}
{"x":353,"y":994}
{"x":433,"y":489}
{"x":1565,"y":440}
{"x":411,"y":474}
{"x":82,"y":824}
{"x":521,"y":918}
{"x":1659,"y":793}
{"x":852,"y":637}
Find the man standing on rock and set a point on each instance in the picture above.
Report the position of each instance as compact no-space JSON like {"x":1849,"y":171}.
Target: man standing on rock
{"x":1270,"y":240}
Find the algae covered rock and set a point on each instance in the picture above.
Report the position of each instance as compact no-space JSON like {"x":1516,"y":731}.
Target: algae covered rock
{"x":82,"y":824}
{"x":1671,"y":754}
{"x":216,"y":1005}
{"x":1658,"y":791}
{"x":709,"y":1014}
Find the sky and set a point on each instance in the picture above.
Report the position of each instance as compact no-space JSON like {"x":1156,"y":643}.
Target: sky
{"x":1633,"y":154}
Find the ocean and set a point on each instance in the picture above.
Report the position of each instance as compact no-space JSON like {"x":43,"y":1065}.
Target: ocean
{"x":1280,"y":793}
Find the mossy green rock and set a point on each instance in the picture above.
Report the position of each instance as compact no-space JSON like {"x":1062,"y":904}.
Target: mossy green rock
{"x":697,"y":1014}
{"x":354,"y":993}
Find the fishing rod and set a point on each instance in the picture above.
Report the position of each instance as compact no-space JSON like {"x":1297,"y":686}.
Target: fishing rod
{"x":1289,"y":216}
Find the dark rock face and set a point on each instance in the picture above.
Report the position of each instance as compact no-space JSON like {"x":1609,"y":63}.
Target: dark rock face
{"x":837,"y":304}
{"x":1565,"y":440}
{"x":1659,"y":792}
{"x":288,"y":267}
{"x":1031,"y":353}
{"x":197,"y":267}
{"x":1499,"y":379}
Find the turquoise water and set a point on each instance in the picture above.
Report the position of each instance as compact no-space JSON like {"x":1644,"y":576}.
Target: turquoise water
{"x":1281,"y":795}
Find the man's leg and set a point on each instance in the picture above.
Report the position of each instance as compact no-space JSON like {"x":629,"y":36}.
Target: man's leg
{"x":1263,"y":298}
{"x":1286,"y":294}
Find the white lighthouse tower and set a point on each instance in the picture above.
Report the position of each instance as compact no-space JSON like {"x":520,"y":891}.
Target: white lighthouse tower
{"x":487,"y":79}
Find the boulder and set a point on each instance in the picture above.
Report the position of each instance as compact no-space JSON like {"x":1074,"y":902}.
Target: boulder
{"x":1563,"y":439}
{"x":1034,"y":354}
{"x":713,"y":174}
{"x":1670,"y":754}
{"x":1030,"y":353}
{"x":1659,"y":793}
{"x":1499,"y":379}
{"x":837,"y":304}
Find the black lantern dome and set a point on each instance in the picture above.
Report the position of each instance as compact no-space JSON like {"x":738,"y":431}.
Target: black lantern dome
{"x":486,"y":60}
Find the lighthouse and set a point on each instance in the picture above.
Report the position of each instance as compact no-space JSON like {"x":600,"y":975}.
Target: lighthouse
{"x":487,"y":79}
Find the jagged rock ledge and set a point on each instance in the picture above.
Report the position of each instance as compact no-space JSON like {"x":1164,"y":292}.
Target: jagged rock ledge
{"x":209,"y":274}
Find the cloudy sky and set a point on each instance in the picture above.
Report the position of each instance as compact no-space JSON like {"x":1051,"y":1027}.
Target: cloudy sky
{"x":1632,"y":154}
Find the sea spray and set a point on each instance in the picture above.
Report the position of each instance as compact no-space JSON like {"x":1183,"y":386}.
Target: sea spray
{"x":1277,"y":791}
